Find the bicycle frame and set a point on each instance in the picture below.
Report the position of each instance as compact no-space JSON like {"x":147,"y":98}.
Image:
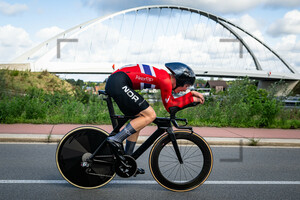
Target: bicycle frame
{"x":163,"y":125}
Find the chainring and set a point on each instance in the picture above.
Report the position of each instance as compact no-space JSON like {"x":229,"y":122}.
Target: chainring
{"x":127,"y":168}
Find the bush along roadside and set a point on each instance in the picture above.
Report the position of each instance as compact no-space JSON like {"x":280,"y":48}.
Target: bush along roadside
{"x":243,"y":105}
{"x":38,"y":106}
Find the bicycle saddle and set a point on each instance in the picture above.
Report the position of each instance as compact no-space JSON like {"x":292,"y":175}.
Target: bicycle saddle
{"x":102,"y":92}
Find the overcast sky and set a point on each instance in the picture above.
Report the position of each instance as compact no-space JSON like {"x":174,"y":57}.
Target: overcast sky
{"x":24,"y":24}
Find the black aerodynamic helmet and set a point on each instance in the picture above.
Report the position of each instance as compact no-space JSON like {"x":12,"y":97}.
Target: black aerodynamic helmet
{"x":183,"y":73}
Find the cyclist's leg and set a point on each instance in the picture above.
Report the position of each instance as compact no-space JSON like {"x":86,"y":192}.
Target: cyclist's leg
{"x":119,"y":87}
{"x":131,"y":142}
{"x":147,"y":116}
{"x":134,"y":137}
{"x":144,"y":118}
{"x":129,"y":149}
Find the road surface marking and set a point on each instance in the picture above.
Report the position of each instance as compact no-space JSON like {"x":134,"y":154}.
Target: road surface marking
{"x":149,"y":182}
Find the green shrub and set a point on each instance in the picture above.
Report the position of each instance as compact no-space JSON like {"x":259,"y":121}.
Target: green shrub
{"x":35,"y":109}
{"x":73,"y":112}
{"x":243,"y":105}
{"x":11,"y":108}
{"x":14,"y":72}
{"x":97,"y":113}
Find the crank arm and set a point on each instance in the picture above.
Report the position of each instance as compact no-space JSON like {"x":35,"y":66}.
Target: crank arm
{"x":95,"y":174}
{"x":103,"y":161}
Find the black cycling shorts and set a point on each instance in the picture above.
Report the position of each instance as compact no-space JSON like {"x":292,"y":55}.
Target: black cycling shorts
{"x":119,"y":87}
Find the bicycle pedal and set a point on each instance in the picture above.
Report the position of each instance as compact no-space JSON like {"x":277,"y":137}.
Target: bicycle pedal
{"x":139,"y":171}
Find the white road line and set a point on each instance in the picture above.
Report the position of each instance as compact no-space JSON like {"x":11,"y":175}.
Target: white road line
{"x":149,"y":182}
{"x":32,"y":181}
{"x":252,"y":182}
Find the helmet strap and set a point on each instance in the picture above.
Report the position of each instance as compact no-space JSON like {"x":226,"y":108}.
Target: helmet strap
{"x":174,"y":79}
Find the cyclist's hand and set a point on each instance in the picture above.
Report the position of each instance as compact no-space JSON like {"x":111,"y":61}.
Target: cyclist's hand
{"x":198,"y":97}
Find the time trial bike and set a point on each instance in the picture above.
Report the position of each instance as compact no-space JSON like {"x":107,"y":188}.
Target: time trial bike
{"x":180,"y":160}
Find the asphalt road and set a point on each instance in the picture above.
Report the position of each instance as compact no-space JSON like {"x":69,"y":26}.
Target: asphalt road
{"x":28,"y":171}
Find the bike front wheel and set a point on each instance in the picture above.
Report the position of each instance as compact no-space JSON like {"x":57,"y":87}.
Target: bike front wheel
{"x":78,"y":145}
{"x":180,"y":177}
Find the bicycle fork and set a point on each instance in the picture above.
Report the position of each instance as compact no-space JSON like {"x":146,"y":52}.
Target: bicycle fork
{"x":175,"y":144}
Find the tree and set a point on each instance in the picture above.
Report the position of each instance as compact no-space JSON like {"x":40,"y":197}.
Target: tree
{"x":71,"y":81}
{"x":80,"y":83}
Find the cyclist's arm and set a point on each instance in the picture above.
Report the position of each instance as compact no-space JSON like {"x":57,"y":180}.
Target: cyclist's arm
{"x":169,"y":100}
{"x":198,"y":97}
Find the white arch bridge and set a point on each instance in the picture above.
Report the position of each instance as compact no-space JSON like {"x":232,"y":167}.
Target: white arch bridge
{"x":211,"y":45}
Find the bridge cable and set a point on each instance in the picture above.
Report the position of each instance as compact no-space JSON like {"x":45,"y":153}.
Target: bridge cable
{"x":186,"y":30}
{"x":132,"y":30}
{"x":141,"y":44}
{"x":155,"y":32}
{"x":165,"y":31}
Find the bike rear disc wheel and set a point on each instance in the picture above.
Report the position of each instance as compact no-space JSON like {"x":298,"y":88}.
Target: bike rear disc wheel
{"x":195,"y":169}
{"x":74,"y":147}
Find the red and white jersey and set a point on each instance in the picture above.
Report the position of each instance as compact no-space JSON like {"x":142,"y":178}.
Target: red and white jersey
{"x":144,"y":76}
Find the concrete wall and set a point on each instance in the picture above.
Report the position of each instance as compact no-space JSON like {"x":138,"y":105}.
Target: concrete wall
{"x":283,"y":89}
{"x":16,"y":66}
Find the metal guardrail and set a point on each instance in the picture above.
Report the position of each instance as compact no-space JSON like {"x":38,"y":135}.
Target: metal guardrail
{"x":292,"y":102}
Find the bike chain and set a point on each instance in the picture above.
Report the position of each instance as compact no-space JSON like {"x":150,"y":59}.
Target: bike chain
{"x":95,"y":174}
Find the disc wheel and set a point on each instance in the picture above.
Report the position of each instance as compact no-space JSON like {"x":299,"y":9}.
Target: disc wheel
{"x":176,"y":176}
{"x":75,"y":147}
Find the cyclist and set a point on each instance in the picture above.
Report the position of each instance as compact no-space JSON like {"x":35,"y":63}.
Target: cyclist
{"x":121,"y":86}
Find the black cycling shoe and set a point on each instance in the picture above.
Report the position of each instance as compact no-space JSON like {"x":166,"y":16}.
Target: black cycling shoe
{"x":139,"y":171}
{"x":117,"y":147}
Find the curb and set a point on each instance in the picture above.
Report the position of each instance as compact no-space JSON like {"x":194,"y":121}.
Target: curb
{"x":38,"y":138}
{"x":259,"y":142}
{"x":26,"y":138}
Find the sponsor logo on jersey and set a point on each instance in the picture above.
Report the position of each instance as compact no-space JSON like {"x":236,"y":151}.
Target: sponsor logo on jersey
{"x":167,"y":99}
{"x":130,"y":94}
{"x":146,"y":79}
